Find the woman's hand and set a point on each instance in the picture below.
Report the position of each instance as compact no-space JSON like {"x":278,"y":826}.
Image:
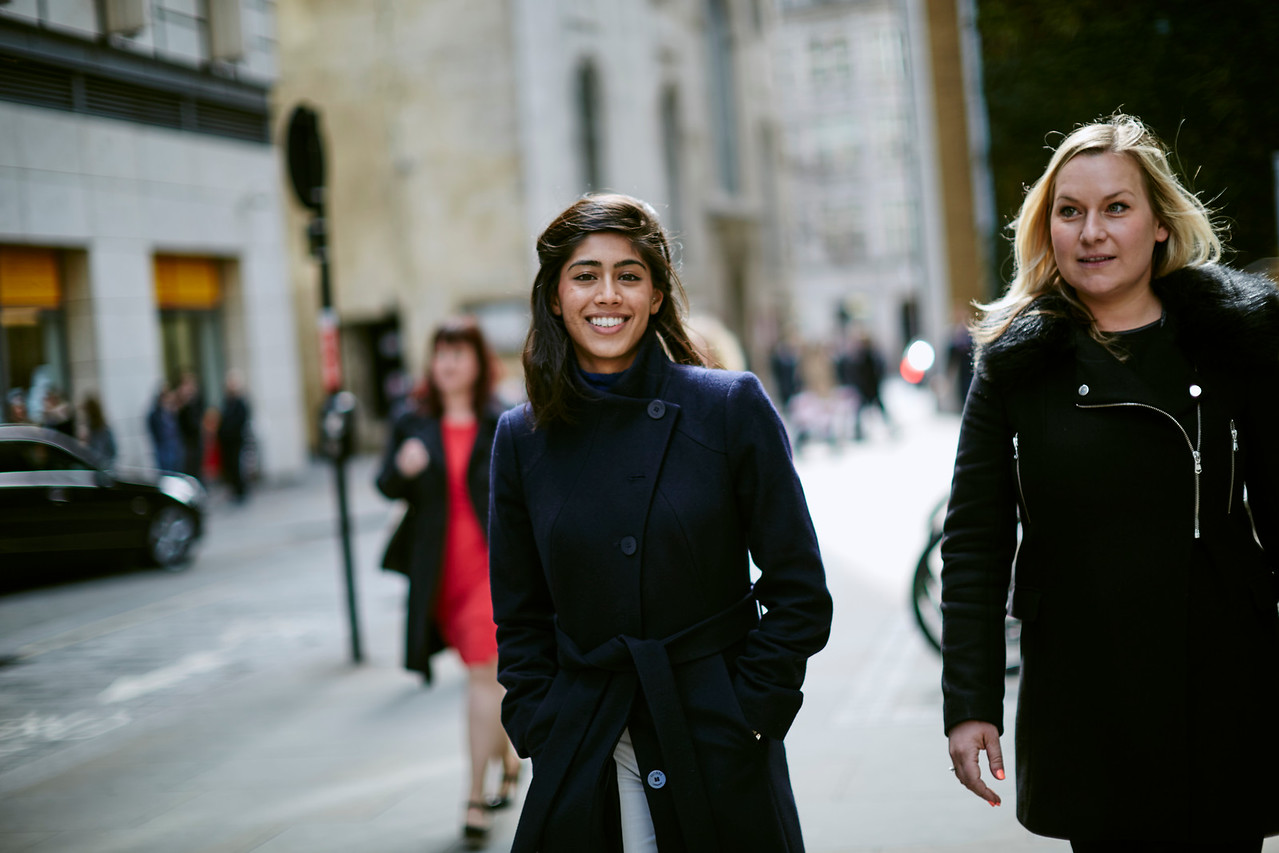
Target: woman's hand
{"x":967,"y":740}
{"x":411,"y":459}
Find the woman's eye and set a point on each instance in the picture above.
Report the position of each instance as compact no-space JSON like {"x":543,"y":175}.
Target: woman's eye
{"x":1117,"y":207}
{"x":584,"y":276}
{"x":1066,"y":211}
{"x":629,"y":276}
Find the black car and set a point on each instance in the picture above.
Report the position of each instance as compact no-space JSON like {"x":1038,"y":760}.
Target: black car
{"x":57,"y":499}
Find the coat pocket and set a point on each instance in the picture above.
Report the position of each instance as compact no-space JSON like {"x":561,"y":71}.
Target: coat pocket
{"x":711,"y":696}
{"x":539,"y":726}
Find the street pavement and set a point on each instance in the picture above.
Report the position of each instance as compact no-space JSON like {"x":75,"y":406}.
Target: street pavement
{"x":217,"y":710}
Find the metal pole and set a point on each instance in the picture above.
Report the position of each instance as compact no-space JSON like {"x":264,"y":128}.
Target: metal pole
{"x":320,"y":223}
{"x":344,"y":529}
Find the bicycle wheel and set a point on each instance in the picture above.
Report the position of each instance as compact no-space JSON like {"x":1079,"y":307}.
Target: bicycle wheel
{"x":926,"y":604}
{"x":926,"y":591}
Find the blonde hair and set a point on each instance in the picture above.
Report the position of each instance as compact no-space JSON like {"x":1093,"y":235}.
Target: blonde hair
{"x":1192,"y":237}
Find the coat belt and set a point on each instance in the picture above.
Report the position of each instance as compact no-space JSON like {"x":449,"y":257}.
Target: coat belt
{"x":652,"y":663}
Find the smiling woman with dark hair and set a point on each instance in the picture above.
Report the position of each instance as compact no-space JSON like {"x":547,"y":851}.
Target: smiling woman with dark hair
{"x":628,"y":499}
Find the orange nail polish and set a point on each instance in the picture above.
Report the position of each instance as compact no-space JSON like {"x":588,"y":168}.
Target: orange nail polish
{"x":999,"y":774}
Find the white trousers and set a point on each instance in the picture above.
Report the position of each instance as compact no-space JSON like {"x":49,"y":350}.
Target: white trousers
{"x":638,"y":835}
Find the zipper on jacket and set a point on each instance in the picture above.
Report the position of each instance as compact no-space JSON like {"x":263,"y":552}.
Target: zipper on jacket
{"x":1017,"y":466}
{"x":1194,"y":446}
{"x":1234,"y":451}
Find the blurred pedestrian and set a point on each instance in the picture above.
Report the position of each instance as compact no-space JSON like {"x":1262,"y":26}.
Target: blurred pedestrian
{"x":96,"y":432}
{"x":1127,"y":393}
{"x":959,"y":359}
{"x":16,"y":407}
{"x":210,"y":448}
{"x":641,"y":679}
{"x":784,"y":361}
{"x":438,"y":462}
{"x":232,"y":430}
{"x":57,"y":413}
{"x":191,"y":424}
{"x":162,"y":426}
{"x":864,"y":370}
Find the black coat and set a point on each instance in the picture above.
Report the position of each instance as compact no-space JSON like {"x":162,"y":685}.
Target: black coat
{"x":234,"y":422}
{"x":1149,"y":701}
{"x":416,"y":549}
{"x":623,"y":598}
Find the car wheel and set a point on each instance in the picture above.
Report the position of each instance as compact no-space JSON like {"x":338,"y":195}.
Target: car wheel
{"x":169,"y":536}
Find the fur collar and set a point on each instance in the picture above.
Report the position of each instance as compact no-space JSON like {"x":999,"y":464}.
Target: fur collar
{"x":1223,"y":317}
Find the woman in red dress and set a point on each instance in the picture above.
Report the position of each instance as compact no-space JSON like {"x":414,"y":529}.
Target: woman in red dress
{"x":438,"y":461}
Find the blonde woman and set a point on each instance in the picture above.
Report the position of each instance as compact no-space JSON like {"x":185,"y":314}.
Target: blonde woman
{"x":1126,"y":395}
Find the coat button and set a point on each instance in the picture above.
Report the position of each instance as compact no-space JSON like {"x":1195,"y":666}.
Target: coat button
{"x":656,"y":409}
{"x":656,"y":779}
{"x":1195,"y":390}
{"x":1083,"y":390}
{"x":628,"y":545}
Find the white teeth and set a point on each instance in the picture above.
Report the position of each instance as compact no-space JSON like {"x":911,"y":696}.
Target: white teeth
{"x":606,"y":322}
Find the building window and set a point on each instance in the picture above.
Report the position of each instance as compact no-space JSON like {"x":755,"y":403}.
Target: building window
{"x":829,"y":64}
{"x":588,"y":124}
{"x":723,"y":94}
{"x":842,"y":233}
{"x":33,"y":353}
{"x":891,"y":54}
{"x":188,"y":294}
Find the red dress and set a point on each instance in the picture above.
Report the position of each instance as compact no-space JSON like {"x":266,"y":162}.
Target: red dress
{"x":463,"y":605}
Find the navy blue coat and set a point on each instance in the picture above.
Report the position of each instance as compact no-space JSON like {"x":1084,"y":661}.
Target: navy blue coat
{"x":416,"y":549}
{"x":622,"y":593}
{"x":1149,"y":702}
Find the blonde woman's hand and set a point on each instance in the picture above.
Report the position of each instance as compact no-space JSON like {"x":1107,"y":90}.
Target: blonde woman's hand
{"x":967,"y":740}
{"x":412,"y":458}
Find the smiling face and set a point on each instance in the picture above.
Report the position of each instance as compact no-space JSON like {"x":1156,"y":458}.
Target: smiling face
{"x":605,"y":296}
{"x":1104,"y":232}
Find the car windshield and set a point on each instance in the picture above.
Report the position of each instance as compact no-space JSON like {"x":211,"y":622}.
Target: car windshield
{"x":18,"y":456}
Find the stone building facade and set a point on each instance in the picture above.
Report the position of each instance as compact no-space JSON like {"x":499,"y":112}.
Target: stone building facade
{"x":457,"y":129}
{"x":857,"y":154}
{"x":140,"y":211}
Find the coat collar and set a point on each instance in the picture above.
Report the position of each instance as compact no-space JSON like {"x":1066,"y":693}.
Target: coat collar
{"x":1223,"y":317}
{"x":644,"y":379}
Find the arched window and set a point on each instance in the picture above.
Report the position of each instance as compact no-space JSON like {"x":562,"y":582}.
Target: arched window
{"x":723,"y":93}
{"x":588,"y":124}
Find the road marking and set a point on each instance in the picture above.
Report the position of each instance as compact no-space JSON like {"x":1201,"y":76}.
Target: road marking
{"x":19,"y":733}
{"x":241,"y":632}
{"x":129,"y":687}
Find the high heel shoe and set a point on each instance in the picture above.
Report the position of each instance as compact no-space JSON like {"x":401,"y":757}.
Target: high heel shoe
{"x":475,"y":836}
{"x":509,"y":781}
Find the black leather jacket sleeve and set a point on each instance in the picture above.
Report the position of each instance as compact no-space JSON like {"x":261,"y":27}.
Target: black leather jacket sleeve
{"x":980,"y":540}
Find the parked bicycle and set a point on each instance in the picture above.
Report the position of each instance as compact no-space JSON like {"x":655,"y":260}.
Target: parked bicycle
{"x":926,"y":594}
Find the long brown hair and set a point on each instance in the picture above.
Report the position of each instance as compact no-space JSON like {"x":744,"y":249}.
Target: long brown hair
{"x":460,"y":330}
{"x":548,"y":364}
